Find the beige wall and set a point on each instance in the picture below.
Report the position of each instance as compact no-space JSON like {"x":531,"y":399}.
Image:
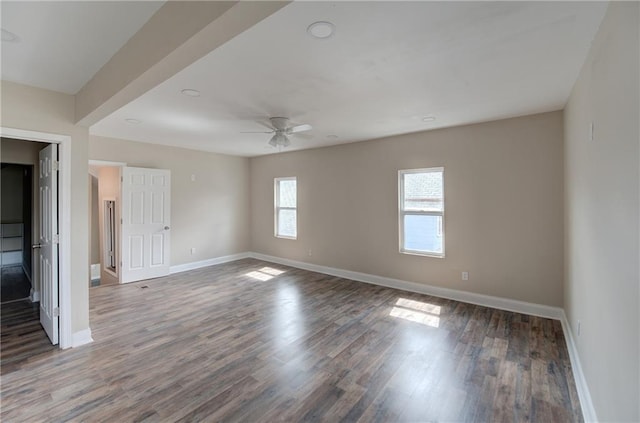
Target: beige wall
{"x":35,"y":109}
{"x":210,"y":214}
{"x":20,"y":152}
{"x":602,"y":213}
{"x":503,"y":219}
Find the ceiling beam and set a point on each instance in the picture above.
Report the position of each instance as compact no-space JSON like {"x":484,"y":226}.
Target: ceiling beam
{"x":177,"y":35}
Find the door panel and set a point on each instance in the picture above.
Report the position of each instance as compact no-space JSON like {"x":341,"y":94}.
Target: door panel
{"x":48,"y":241}
{"x":146,"y":234}
{"x":157,"y":249}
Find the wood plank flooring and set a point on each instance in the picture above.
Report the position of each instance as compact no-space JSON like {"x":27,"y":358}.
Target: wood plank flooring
{"x":251,"y":341}
{"x":22,"y":339}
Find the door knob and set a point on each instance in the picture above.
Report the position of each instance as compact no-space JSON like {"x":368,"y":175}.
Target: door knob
{"x":166,"y":228}
{"x":34,"y":246}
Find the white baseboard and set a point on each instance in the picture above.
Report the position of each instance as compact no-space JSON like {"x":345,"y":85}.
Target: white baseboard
{"x":81,"y":338}
{"x":452,"y":294}
{"x":204,"y":263}
{"x":588,"y":410}
{"x":95,"y":271}
{"x":34,"y":296}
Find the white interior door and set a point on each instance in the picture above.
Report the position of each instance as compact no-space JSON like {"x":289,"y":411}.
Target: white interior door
{"x":48,"y":241}
{"x":146,"y":222}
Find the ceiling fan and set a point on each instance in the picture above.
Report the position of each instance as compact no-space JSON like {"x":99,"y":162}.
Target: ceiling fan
{"x":281,"y":129}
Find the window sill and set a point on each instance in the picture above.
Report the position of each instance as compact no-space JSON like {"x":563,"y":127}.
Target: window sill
{"x":293,"y":238}
{"x":422,"y":254}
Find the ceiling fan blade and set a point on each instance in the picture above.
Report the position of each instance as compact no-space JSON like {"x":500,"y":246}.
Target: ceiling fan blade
{"x":303,"y":136}
{"x":257,"y":132}
{"x":266,"y":124}
{"x":299,"y":128}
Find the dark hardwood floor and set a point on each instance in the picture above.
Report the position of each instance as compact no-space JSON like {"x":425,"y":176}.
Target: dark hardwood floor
{"x":22,"y":339}
{"x":14,"y":284}
{"x":251,"y":341}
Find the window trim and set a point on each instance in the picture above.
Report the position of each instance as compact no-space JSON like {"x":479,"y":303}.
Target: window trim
{"x":277,"y":208}
{"x":402,"y":213}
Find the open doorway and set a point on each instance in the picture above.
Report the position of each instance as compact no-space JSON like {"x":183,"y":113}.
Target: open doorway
{"x":15,"y":232}
{"x":94,"y":232}
{"x":104,"y":198}
{"x":23,"y":334}
{"x":51,"y":230}
{"x":131,"y":216}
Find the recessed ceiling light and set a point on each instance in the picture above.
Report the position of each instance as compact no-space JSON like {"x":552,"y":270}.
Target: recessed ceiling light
{"x":321,"y":29}
{"x":332,"y":136}
{"x":428,"y":118}
{"x":190,"y":92}
{"x":9,"y":36}
{"x":133,"y":121}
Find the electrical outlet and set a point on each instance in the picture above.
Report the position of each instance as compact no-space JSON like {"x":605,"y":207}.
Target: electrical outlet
{"x":309,"y":252}
{"x":579,"y":327}
{"x":193,"y":178}
{"x":465,"y":276}
{"x":193,"y":250}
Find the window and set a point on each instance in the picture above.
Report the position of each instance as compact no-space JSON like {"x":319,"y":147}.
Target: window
{"x":421,"y":205}
{"x":286,"y":212}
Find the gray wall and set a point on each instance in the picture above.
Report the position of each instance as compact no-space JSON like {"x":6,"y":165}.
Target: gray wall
{"x":11,"y":191}
{"x":503,"y":212}
{"x":210,"y":214}
{"x":602,"y":214}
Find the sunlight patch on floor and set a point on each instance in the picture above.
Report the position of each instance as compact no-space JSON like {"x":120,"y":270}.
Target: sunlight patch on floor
{"x":265,"y":274}
{"x":417,"y":311}
{"x":272,"y":271}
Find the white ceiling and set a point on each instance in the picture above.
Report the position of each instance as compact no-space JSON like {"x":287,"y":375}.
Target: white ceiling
{"x":387,"y":66}
{"x":63,"y":44}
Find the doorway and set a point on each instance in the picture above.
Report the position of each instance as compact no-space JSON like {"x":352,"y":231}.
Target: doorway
{"x":56,"y":289}
{"x":15,"y":232}
{"x":104,"y":198}
{"x":23,"y":335}
{"x":131,"y":216}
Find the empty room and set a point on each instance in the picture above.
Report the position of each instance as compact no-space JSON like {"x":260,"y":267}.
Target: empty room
{"x":261,"y":211}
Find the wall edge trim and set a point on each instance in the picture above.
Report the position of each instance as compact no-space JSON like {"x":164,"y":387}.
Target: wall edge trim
{"x":82,"y":337}
{"x":209,"y":262}
{"x":588,"y":410}
{"x":500,"y":303}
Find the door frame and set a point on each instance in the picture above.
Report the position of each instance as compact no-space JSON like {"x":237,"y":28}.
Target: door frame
{"x":64,"y":221}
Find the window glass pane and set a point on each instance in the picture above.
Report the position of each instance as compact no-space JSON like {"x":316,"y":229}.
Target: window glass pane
{"x":287,"y":223}
{"x":287,"y":193}
{"x":423,"y":233}
{"x":423,"y":191}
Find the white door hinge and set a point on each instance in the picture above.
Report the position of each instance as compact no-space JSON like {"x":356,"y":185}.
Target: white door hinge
{"x":56,"y":239}
{"x":56,"y":312}
{"x":55,"y":165}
